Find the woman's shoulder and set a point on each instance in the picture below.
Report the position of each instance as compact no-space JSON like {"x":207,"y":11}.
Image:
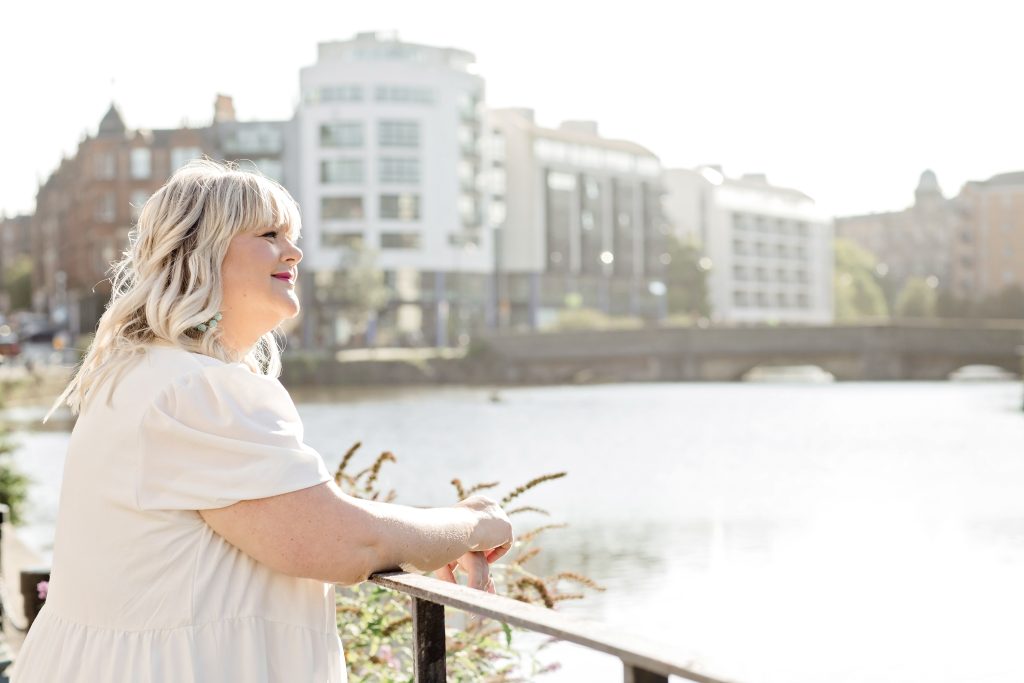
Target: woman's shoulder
{"x":173,"y":365}
{"x":168,"y":356}
{"x":154,"y":368}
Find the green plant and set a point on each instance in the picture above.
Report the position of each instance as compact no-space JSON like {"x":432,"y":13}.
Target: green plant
{"x":13,"y":484}
{"x":917,"y":299}
{"x":858,"y":294}
{"x":375,"y":623}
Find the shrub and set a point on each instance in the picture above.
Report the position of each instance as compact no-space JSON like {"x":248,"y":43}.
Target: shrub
{"x":376,"y":623}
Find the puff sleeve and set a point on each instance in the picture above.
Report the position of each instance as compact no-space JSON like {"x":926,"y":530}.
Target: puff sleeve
{"x":220,"y":435}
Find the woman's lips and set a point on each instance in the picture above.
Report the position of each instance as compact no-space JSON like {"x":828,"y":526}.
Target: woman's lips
{"x":283,"y":276}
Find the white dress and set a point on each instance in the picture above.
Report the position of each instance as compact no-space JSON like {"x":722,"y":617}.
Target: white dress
{"x":142,"y":590}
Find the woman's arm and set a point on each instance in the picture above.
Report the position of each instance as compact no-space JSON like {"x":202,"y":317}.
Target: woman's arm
{"x":322,"y":533}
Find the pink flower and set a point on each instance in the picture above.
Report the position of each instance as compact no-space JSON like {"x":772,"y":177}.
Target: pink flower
{"x":42,"y":587}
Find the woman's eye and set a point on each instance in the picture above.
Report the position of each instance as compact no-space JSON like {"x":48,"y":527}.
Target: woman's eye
{"x":272,"y":234}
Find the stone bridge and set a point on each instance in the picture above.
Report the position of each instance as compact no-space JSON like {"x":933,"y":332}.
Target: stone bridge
{"x":900,"y":351}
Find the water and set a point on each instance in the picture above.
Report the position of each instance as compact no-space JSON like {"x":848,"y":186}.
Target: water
{"x":765,"y":532}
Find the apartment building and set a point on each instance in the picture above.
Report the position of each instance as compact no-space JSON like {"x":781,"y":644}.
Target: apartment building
{"x":577,"y":217}
{"x":388,"y":154}
{"x":770,"y":247}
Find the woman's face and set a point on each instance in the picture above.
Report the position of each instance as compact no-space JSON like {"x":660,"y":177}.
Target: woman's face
{"x":258,"y":274}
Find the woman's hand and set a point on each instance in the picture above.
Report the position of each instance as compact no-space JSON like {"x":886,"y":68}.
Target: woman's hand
{"x":477,"y":571}
{"x":492,"y":535}
{"x":491,"y":538}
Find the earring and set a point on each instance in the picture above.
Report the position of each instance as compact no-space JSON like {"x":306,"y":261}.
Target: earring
{"x":209,"y":324}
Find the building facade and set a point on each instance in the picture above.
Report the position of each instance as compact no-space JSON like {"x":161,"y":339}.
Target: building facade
{"x":577,"y":219}
{"x":770,"y":247}
{"x":87,"y":207}
{"x":917,"y":242}
{"x":987,"y":254}
{"x":388,"y":155}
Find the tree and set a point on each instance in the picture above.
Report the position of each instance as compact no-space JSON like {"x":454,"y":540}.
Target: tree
{"x":358,"y":285}
{"x":687,"y":279}
{"x":858,"y":294}
{"x":18,"y":284}
{"x":13,"y":483}
{"x":917,"y":299}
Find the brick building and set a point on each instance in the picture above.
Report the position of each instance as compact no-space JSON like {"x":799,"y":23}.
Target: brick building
{"x":989,"y":245}
{"x":86,"y":208}
{"x":916,"y":242}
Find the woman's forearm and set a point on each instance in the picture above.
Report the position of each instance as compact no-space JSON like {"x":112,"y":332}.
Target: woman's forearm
{"x":324,"y":534}
{"x":414,"y":539}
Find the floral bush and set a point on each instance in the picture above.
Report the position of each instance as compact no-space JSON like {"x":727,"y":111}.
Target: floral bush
{"x":376,"y":623}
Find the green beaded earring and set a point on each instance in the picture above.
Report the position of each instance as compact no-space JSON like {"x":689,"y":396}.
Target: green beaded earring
{"x":209,"y":324}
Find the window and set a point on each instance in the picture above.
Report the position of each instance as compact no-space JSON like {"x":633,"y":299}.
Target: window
{"x":463,"y":240}
{"x":341,"y":134}
{"x":496,"y":212}
{"x":398,"y":133}
{"x":341,"y":208}
{"x":182,"y":155}
{"x":400,"y":240}
{"x":255,"y":138}
{"x":141,"y":163}
{"x":347,"y":240}
{"x":494,"y":146}
{"x":402,"y":207}
{"x":404,"y":94}
{"x":106,"y":166}
{"x":467,"y":173}
{"x":337,"y":93}
{"x":138,"y":199}
{"x":468,"y":210}
{"x":468,"y":104}
{"x":399,"y":170}
{"x":341,"y":171}
{"x":106,"y":209}
{"x":467,"y":139}
{"x":271,"y":168}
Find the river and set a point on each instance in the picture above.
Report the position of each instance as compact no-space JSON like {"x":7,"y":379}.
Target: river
{"x":769,"y":533}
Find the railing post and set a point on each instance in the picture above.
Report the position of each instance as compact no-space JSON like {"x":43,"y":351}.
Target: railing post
{"x":634,"y":674}
{"x":429,"y":648}
{"x":30,"y":579}
{"x":4,"y":514}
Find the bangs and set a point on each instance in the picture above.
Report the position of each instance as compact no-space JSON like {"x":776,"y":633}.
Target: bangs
{"x":265,"y":204}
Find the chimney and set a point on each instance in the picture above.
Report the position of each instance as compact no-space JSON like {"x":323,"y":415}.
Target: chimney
{"x":223,"y":109}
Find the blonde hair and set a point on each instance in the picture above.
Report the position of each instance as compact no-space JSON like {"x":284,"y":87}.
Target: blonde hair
{"x":169,"y":279}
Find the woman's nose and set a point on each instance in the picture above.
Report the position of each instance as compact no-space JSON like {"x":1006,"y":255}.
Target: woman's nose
{"x":293,"y":253}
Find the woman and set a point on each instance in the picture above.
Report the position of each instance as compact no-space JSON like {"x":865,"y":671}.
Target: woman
{"x":198,"y":537}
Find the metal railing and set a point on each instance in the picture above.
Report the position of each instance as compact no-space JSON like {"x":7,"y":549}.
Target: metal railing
{"x":643,"y":661}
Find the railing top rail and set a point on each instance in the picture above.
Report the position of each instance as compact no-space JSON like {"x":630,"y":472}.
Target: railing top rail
{"x":630,"y":648}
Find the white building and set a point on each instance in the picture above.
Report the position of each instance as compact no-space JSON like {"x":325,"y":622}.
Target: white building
{"x":578,"y":217}
{"x":388,"y":155}
{"x":770,"y":247}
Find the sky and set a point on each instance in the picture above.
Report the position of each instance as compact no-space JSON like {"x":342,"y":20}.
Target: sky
{"x":848,"y":102}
